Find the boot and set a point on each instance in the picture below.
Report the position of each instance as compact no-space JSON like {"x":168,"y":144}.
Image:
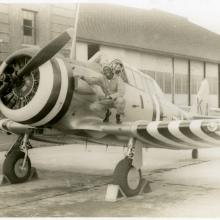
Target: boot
{"x":107,"y":115}
{"x":118,"y":119}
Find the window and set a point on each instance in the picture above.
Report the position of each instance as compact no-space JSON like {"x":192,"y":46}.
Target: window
{"x":213,"y":85}
{"x":167,"y":83}
{"x":181,"y":83}
{"x":196,"y":76}
{"x":212,"y":77}
{"x":149,"y":73}
{"x":163,"y":79}
{"x":92,"y":49}
{"x":195,"y":83}
{"x":29,"y":27}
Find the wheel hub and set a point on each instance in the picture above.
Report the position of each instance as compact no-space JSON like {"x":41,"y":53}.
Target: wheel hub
{"x":20,"y":170}
{"x":133,"y":178}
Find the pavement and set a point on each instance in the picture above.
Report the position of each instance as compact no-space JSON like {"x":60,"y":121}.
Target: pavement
{"x":73,"y":181}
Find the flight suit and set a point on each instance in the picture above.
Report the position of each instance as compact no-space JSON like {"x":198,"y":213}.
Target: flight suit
{"x":114,"y":91}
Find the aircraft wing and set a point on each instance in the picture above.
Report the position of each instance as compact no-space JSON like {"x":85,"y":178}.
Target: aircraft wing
{"x":180,"y":134}
{"x":10,"y":126}
{"x":54,"y":137}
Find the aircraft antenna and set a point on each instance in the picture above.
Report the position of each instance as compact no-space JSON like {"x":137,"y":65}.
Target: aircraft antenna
{"x":73,"y":47}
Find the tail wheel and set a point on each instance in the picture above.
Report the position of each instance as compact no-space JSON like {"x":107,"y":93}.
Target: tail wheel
{"x":195,"y":154}
{"x":127,"y":177}
{"x":13,"y":167}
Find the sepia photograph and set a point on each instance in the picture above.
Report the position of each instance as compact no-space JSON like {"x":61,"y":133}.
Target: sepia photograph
{"x":110,"y":109}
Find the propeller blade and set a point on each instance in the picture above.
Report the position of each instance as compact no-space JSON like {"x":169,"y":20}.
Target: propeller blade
{"x":47,"y":52}
{"x":38,"y":59}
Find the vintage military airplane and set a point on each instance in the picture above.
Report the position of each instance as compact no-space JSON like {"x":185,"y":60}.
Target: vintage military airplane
{"x":41,"y":90}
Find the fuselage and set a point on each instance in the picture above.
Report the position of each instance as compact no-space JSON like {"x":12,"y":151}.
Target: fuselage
{"x":53,"y":95}
{"x":144,"y":102}
{"x":144,"y":99}
{"x":62,"y":100}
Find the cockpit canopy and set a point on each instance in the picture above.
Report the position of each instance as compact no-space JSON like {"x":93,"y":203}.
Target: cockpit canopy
{"x":130,"y":75}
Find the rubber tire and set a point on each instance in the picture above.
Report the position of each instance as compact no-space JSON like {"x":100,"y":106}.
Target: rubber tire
{"x":8,"y":167}
{"x":120,"y":177}
{"x":195,"y":154}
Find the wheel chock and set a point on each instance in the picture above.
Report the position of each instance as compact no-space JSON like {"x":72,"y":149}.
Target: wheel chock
{"x":5,"y":181}
{"x":33,"y":176}
{"x":113,"y":193}
{"x":145,"y":188}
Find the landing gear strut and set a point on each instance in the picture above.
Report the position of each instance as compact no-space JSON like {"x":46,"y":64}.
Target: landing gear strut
{"x":127,"y":173}
{"x":17,"y":164}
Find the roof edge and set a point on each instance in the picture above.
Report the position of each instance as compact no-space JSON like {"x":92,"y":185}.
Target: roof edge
{"x":150,"y":51}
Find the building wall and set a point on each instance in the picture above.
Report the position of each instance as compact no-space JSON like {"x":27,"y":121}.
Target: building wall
{"x":16,"y":24}
{"x":4,"y":31}
{"x":50,"y":21}
{"x":177,"y":77}
{"x":212,"y":77}
{"x":81,"y":51}
{"x":181,"y":82}
{"x":172,"y":74}
{"x":62,"y":16}
{"x":196,"y":77}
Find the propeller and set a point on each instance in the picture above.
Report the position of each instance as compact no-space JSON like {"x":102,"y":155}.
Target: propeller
{"x":41,"y":57}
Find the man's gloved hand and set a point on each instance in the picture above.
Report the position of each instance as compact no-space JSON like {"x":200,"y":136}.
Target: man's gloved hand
{"x":82,"y":77}
{"x":109,"y":97}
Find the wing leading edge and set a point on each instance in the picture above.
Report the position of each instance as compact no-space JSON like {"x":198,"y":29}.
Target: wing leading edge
{"x":180,"y":134}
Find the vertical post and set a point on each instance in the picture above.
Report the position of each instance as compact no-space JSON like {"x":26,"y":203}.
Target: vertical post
{"x":219,"y":85}
{"x":204,"y":69}
{"x":86,"y":145}
{"x":173,"y":81}
{"x":73,"y":47}
{"x":1,"y":51}
{"x":35,"y":29}
{"x":189,"y":83}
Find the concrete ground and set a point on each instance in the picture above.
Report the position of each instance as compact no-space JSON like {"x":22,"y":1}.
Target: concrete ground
{"x":73,"y":180}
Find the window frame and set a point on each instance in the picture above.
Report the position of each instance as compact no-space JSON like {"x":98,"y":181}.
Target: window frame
{"x":33,"y":28}
{"x":133,"y":72}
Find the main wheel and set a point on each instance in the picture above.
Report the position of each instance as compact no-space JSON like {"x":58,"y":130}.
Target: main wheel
{"x":12,"y":167}
{"x":127,"y":177}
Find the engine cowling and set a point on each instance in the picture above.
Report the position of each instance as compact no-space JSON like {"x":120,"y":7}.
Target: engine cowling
{"x":45,"y":93}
